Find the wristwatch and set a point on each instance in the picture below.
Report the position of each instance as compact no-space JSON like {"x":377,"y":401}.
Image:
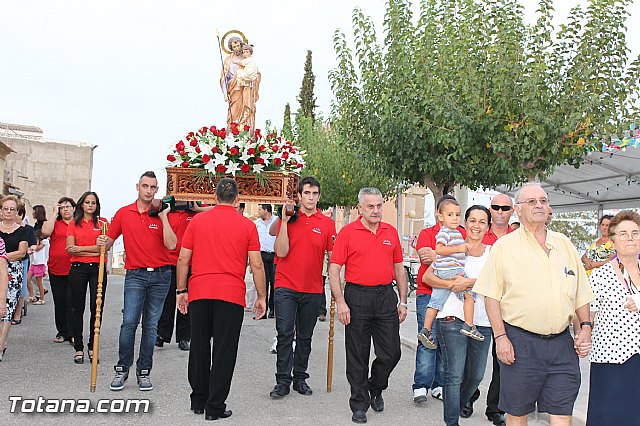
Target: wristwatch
{"x":402,"y":304}
{"x":583,"y":323}
{"x":181,"y":291}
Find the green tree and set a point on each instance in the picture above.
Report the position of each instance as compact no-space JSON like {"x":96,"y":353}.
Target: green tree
{"x":579,"y":227}
{"x":287,"y":129}
{"x":341,"y":171}
{"x":466,"y":93}
{"x":306,"y":98}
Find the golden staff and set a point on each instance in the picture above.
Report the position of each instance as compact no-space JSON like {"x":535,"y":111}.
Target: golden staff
{"x":332,"y":312}
{"x":96,"y":327}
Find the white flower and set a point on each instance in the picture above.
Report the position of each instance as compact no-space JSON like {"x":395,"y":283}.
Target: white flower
{"x":232,"y":168}
{"x":219,"y":158}
{"x":258,"y":168}
{"x":210,"y":167}
{"x":245,"y":157}
{"x":205,"y":149}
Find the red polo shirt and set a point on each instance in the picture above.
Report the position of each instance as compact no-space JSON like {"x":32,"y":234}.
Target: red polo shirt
{"x":309,"y":238}
{"x":490,"y":238}
{"x":368,"y":258}
{"x":59,"y":260}
{"x":85,"y":234}
{"x":143,"y":241}
{"x":427,"y":238}
{"x":179,"y":221}
{"x":221,"y":240}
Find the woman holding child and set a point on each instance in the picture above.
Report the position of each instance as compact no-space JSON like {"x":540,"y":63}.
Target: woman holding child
{"x":464,"y":358}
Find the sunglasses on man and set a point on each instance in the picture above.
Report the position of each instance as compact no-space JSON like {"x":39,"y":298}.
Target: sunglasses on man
{"x":503,"y":208}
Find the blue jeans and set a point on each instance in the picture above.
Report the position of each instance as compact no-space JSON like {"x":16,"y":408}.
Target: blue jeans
{"x":464,"y":360}
{"x":144,"y":294}
{"x":428,"y":361}
{"x":25,"y":270}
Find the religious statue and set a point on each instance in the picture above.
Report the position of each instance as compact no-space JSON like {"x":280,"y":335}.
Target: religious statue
{"x":240,"y":82}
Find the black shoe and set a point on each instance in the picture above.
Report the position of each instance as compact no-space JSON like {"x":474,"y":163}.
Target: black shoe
{"x":302,"y":388}
{"x":359,"y":417}
{"x":222,"y":415}
{"x":279,"y":391}
{"x":159,"y":342}
{"x":272,"y":315}
{"x":467,"y":410}
{"x":184,"y":345}
{"x":198,"y":411}
{"x":498,"y":419}
{"x":377,"y":403}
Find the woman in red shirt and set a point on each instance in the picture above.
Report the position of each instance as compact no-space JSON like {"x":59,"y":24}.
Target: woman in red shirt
{"x":85,"y":262}
{"x":59,"y":265}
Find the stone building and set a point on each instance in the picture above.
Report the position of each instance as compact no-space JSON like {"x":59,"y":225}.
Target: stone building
{"x":39,"y":169}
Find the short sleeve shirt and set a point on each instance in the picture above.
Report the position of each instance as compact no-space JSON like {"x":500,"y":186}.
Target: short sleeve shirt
{"x":143,"y":238}
{"x":179,"y":221}
{"x":368,"y":257}
{"x":449,"y":237}
{"x":427,"y":238}
{"x":220,"y":240}
{"x":59,"y":258}
{"x":309,"y":238}
{"x":538,"y":292}
{"x":616,"y":335}
{"x":85,"y":234}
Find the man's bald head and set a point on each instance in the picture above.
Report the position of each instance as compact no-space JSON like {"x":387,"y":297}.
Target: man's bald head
{"x":499,"y":216}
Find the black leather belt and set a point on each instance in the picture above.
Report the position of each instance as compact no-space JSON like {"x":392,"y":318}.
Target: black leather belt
{"x":370,"y":287}
{"x":541,"y":336}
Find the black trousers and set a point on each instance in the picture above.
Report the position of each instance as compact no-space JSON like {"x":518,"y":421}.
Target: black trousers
{"x":80,"y":275}
{"x":169,"y":314}
{"x":270,"y":275}
{"x":374,"y":315}
{"x":322,"y":309}
{"x":210,"y":372}
{"x":62,"y":304}
{"x":493,"y":394}
{"x":297,"y":313}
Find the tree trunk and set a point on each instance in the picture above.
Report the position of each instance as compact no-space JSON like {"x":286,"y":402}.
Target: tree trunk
{"x":346,"y":216}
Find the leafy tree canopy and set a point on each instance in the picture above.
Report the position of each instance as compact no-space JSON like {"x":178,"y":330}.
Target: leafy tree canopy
{"x":467,"y":93}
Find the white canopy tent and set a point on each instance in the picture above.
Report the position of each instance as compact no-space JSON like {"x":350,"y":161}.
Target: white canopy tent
{"x":604,"y":180}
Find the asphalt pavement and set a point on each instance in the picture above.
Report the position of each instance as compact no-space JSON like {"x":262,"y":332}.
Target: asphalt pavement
{"x":35,"y":367}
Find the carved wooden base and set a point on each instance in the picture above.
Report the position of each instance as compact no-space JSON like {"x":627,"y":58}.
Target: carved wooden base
{"x":193,"y":185}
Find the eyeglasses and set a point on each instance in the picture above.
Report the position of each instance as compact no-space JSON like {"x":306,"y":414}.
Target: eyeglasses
{"x":9,"y":209}
{"x":65,"y":207}
{"x":624,"y":235}
{"x":503,"y":208}
{"x":531,"y":202}
{"x":90,"y":203}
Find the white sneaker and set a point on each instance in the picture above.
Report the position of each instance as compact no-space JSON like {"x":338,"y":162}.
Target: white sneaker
{"x":437,"y":393}
{"x":274,"y":346}
{"x":420,"y":395}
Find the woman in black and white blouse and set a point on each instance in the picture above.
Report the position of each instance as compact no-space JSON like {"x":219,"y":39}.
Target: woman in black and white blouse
{"x":614,"y":394}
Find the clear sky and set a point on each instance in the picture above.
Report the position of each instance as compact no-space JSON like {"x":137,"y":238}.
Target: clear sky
{"x":134,"y":76}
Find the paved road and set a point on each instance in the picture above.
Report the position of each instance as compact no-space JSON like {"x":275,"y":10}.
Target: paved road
{"x":34,"y":366}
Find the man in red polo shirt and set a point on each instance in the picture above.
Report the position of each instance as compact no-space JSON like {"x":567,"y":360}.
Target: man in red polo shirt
{"x":300,"y":247}
{"x":371,"y":253}
{"x":147,"y":241}
{"x":179,"y":220}
{"x":217,"y":243}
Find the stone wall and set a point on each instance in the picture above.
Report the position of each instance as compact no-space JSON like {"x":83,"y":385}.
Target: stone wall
{"x":45,"y":170}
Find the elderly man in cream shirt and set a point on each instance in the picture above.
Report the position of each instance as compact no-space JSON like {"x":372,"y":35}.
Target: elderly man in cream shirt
{"x":534,"y":284}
